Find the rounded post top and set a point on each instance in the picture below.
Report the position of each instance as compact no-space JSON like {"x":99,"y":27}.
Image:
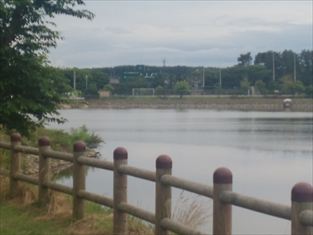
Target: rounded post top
{"x":120,"y":153}
{"x":302,"y":192}
{"x":79,"y":146}
{"x":16,"y":137}
{"x":163,"y":162}
{"x":222,"y":175}
{"x":44,"y":141}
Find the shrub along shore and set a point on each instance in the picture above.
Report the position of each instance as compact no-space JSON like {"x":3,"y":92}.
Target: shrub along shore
{"x":271,"y":104}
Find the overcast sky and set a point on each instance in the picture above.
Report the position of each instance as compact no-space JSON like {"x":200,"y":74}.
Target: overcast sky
{"x":196,"y":33}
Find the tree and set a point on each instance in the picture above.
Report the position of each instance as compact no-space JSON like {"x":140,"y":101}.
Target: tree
{"x":182,"y":88}
{"x":160,"y":91}
{"x":30,"y":89}
{"x":245,"y":59}
{"x":261,"y":87}
{"x":289,"y":86}
{"x":244,"y":85}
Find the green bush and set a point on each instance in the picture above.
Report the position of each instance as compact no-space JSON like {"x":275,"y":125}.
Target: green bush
{"x":91,"y":139}
{"x":63,"y":141}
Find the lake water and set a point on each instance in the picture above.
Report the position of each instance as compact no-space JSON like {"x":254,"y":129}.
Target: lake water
{"x":267,"y":152}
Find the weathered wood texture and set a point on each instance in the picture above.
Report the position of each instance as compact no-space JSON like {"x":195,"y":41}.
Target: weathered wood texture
{"x":15,"y":165}
{"x":178,"y":228}
{"x":4,"y":172}
{"x":163,"y":194}
{"x":302,"y":200}
{"x":59,"y":155}
{"x":27,"y":179}
{"x":78,"y":180}
{"x":5,"y":145}
{"x":43,"y":192}
{"x":306,"y":217}
{"x":102,"y":164}
{"x":60,"y":188}
{"x":139,"y":213}
{"x":105,"y":201}
{"x":119,"y":192}
{"x":300,"y":213}
{"x":137,"y":172}
{"x":190,"y":186}
{"x":258,"y":205}
{"x":222,"y":212}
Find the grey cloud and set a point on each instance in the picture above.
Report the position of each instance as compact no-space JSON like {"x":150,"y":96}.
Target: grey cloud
{"x":133,"y":35}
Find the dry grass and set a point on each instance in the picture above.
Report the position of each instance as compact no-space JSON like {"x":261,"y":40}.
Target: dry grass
{"x":191,"y":211}
{"x":139,"y":227}
{"x":97,"y":221}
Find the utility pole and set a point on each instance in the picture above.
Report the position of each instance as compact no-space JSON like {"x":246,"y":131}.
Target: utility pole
{"x":220,"y":78}
{"x":164,"y":62}
{"x":294,"y":68}
{"x":86,"y":80}
{"x":203,"y":78}
{"x":74,"y":80}
{"x":273,"y":67}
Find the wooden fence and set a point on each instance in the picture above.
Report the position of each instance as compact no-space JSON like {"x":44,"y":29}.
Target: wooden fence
{"x":300,"y":212}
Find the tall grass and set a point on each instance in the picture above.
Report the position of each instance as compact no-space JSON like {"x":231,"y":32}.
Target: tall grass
{"x":192,"y":212}
{"x":61,"y":140}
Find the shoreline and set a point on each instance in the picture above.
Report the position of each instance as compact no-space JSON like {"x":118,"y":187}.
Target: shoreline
{"x":272,"y":104}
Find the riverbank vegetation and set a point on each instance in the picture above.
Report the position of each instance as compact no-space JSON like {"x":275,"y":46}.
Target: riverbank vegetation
{"x":240,"y":103}
{"x":22,"y":215}
{"x":60,"y":140}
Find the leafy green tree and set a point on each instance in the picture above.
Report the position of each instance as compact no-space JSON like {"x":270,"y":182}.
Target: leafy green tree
{"x":92,"y":91}
{"x":160,"y":91}
{"x":305,"y":70}
{"x":182,"y":88}
{"x":309,"y":91}
{"x":109,"y":88}
{"x":29,"y":92}
{"x":244,"y":85}
{"x":289,"y":86}
{"x":261,"y":87}
{"x":245,"y":59}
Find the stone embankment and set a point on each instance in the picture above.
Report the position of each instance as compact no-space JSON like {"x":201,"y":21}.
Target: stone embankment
{"x":269,"y":104}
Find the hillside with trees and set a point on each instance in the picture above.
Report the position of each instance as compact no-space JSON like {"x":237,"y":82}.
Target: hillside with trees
{"x":268,"y":73}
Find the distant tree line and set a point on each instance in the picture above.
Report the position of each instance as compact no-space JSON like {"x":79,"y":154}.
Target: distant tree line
{"x":268,"y":72}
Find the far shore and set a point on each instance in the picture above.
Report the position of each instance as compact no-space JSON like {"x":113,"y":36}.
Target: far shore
{"x":270,"y":104}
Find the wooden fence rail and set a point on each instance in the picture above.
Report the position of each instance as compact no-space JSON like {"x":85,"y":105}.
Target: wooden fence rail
{"x":300,"y":212}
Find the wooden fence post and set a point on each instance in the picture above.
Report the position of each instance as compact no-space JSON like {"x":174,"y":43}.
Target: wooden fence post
{"x":78,"y":180}
{"x":15,"y":166}
{"x":301,"y":199}
{"x":222,"y":212}
{"x":163,"y":194}
{"x":43,"y":174}
{"x":120,"y":226}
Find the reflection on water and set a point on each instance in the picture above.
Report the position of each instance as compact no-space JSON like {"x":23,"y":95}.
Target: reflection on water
{"x":267,"y":152}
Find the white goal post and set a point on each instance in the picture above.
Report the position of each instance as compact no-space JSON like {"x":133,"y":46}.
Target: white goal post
{"x":143,"y":92}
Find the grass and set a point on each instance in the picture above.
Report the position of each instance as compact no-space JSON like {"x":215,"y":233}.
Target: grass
{"x":60,"y":140}
{"x":22,"y":216}
{"x":63,"y":141}
{"x":26,"y":221}
{"x":191,"y":211}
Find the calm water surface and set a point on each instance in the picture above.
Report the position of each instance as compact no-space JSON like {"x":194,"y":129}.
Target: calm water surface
{"x":267,"y":152}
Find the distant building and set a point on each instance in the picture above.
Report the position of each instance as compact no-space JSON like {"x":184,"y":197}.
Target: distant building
{"x":104,"y":93}
{"x":114,"y":81}
{"x":151,"y":75}
{"x":128,"y":75}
